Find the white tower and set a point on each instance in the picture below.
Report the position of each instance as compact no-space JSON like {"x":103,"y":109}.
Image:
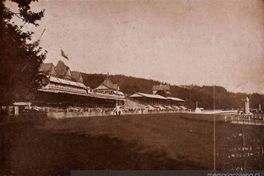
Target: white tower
{"x":247,"y":106}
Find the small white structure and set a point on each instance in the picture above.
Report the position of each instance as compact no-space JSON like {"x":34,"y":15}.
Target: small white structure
{"x":20,"y":106}
{"x":197,"y":109}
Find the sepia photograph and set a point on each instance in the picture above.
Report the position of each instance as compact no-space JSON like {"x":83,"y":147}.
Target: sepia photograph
{"x":109,"y":87}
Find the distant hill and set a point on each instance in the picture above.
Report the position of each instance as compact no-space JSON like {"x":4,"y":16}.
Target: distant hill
{"x":191,"y":94}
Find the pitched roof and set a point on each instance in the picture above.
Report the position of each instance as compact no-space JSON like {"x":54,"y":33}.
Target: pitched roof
{"x":76,"y":76}
{"x":61,"y":68}
{"x":109,"y":84}
{"x":47,"y":68}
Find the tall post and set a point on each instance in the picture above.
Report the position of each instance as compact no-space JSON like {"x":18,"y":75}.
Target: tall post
{"x":214,"y":126}
{"x":243,"y":144}
{"x":262,"y":154}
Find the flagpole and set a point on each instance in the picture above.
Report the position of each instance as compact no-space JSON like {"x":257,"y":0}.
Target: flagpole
{"x":44,"y":30}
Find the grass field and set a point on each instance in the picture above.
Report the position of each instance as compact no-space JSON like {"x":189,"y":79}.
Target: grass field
{"x":157,"y":141}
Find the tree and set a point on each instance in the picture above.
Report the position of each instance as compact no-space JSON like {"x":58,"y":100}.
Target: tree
{"x":20,"y":57}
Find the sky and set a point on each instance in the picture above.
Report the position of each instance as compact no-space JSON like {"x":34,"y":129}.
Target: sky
{"x":182,"y":42}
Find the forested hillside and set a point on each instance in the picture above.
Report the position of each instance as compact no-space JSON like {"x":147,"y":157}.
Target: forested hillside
{"x":191,"y":94}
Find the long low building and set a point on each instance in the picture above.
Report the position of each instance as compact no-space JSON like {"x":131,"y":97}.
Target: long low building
{"x":156,"y":99}
{"x":157,"y":103}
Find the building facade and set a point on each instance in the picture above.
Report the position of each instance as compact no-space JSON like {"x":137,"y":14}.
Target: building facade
{"x":63,"y":87}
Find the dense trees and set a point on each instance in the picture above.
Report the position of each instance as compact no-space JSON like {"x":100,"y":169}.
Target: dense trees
{"x":191,"y":94}
{"x":20,"y":57}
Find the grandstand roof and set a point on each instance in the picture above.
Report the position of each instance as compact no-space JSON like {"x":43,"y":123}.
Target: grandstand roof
{"x":174,"y":99}
{"x":155,"y":96}
{"x":139,"y":94}
{"x":66,"y":82}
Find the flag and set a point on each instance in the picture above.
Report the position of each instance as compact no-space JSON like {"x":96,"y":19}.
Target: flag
{"x":64,"y":55}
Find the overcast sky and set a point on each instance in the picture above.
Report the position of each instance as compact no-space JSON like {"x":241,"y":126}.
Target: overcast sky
{"x":201,"y":42}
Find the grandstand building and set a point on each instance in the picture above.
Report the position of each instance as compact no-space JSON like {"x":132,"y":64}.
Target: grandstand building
{"x":63,"y":87}
{"x":156,"y":99}
{"x":161,"y":99}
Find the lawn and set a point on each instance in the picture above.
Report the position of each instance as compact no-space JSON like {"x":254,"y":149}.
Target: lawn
{"x":157,"y":141}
